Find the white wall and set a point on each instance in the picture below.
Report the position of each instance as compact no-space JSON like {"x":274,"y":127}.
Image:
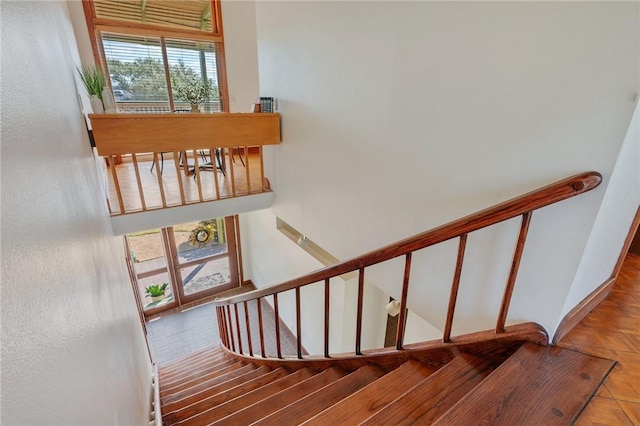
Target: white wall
{"x":614,"y":219}
{"x":400,"y":116}
{"x":73,"y":350}
{"x":238,"y":18}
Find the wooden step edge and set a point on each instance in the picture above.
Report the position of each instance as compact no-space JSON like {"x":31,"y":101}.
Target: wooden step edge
{"x":185,"y":385}
{"x":212,"y":349}
{"x":284,"y":397}
{"x":547,"y":385}
{"x":191,"y":363}
{"x":211,"y":387}
{"x":197,"y":408}
{"x":229,"y":407}
{"x":434,"y":395}
{"x":197,"y":371}
{"x":323,"y":398}
{"x":368,"y":400}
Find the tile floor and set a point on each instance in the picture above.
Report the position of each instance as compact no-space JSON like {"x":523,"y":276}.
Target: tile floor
{"x":178,"y":333}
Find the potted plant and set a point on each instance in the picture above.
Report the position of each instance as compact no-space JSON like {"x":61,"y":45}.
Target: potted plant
{"x":94,"y":82}
{"x":194,"y":91}
{"x":156,"y":291}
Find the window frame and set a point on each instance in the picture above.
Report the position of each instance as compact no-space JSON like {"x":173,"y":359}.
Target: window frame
{"x":98,"y":25}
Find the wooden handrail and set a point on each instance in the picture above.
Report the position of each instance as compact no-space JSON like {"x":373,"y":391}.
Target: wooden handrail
{"x":520,"y":206}
{"x":558,"y":191}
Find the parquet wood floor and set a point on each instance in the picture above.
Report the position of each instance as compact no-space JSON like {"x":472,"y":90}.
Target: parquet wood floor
{"x":612,"y":330}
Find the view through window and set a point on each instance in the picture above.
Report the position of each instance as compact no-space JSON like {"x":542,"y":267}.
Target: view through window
{"x":195,"y":260}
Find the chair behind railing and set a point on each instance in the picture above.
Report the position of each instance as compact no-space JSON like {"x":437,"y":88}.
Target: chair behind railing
{"x":233,"y":331}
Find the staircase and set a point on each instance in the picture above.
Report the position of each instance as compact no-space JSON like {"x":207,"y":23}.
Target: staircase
{"x":504,"y":376}
{"x":534,"y":385}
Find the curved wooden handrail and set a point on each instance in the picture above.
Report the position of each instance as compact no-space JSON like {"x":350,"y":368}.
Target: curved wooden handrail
{"x":558,"y":191}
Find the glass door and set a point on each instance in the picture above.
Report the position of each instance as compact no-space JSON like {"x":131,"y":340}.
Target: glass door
{"x":149,"y":255}
{"x":204,"y":257}
{"x":183,"y":263}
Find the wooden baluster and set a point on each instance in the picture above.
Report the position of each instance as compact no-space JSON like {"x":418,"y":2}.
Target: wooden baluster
{"x":196,"y":170}
{"x":515,"y":265}
{"x":176,"y":162}
{"x":359,"y":312}
{"x":259,"y":304}
{"x":246,"y":318}
{"x":235,"y":307}
{"x":159,"y":176}
{"x":246,"y":167}
{"x":221,"y":327}
{"x":214,"y":162}
{"x":261,"y":167}
{"x":233,"y":179}
{"x":139,"y":181}
{"x":112,"y":166}
{"x":402,"y":318}
{"x":298,"y":324}
{"x":454,"y":289}
{"x":233,"y":343}
{"x":277,"y":318}
{"x":326,"y":318}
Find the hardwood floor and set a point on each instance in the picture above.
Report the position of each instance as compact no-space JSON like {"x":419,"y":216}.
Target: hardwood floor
{"x":228,"y":184}
{"x":612,"y":330}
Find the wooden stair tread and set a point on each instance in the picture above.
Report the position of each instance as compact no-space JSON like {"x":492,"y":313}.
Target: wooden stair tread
{"x":227,"y":408}
{"x":321,"y":399}
{"x":197,"y":371}
{"x":433,"y":396}
{"x":368,"y":400}
{"x":185,"y":385}
{"x":536,"y":385}
{"x":222,"y":397}
{"x":212,"y":387}
{"x":202,"y":353}
{"x":285,"y":397}
{"x":190,"y":364}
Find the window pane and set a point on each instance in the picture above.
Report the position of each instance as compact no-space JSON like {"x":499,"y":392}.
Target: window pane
{"x":189,"y":248}
{"x":183,"y":14}
{"x":194,"y":61}
{"x":137,"y":73}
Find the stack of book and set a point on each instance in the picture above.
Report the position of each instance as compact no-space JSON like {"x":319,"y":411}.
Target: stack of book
{"x":266,"y":104}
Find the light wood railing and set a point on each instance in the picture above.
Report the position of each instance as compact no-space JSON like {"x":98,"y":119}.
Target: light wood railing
{"x":233,"y":333}
{"x":178,"y":150}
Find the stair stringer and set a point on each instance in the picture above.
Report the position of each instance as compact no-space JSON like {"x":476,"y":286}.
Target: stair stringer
{"x":484,"y":344}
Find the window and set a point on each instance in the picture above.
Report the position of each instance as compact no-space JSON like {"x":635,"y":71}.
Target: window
{"x":149,"y":49}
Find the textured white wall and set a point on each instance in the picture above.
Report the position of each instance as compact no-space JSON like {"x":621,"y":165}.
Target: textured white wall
{"x":400,"y":116}
{"x":73,"y":350}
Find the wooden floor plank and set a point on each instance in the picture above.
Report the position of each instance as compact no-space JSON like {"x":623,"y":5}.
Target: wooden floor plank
{"x":603,"y":411}
{"x":368,"y":400}
{"x":552,"y":387}
{"x":433,"y":396}
{"x":316,"y":402}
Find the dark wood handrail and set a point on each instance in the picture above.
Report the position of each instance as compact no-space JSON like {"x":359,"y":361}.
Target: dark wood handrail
{"x":558,"y":191}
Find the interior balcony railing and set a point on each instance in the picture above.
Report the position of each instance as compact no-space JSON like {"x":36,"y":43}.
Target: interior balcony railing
{"x":237,"y":328}
{"x":164,"y":160}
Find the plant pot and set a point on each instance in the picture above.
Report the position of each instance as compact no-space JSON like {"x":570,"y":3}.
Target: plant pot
{"x":195,"y":109}
{"x":96,"y":104}
{"x":157,"y":298}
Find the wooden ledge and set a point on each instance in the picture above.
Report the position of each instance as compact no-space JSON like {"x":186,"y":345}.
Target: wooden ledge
{"x":117,"y":134}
